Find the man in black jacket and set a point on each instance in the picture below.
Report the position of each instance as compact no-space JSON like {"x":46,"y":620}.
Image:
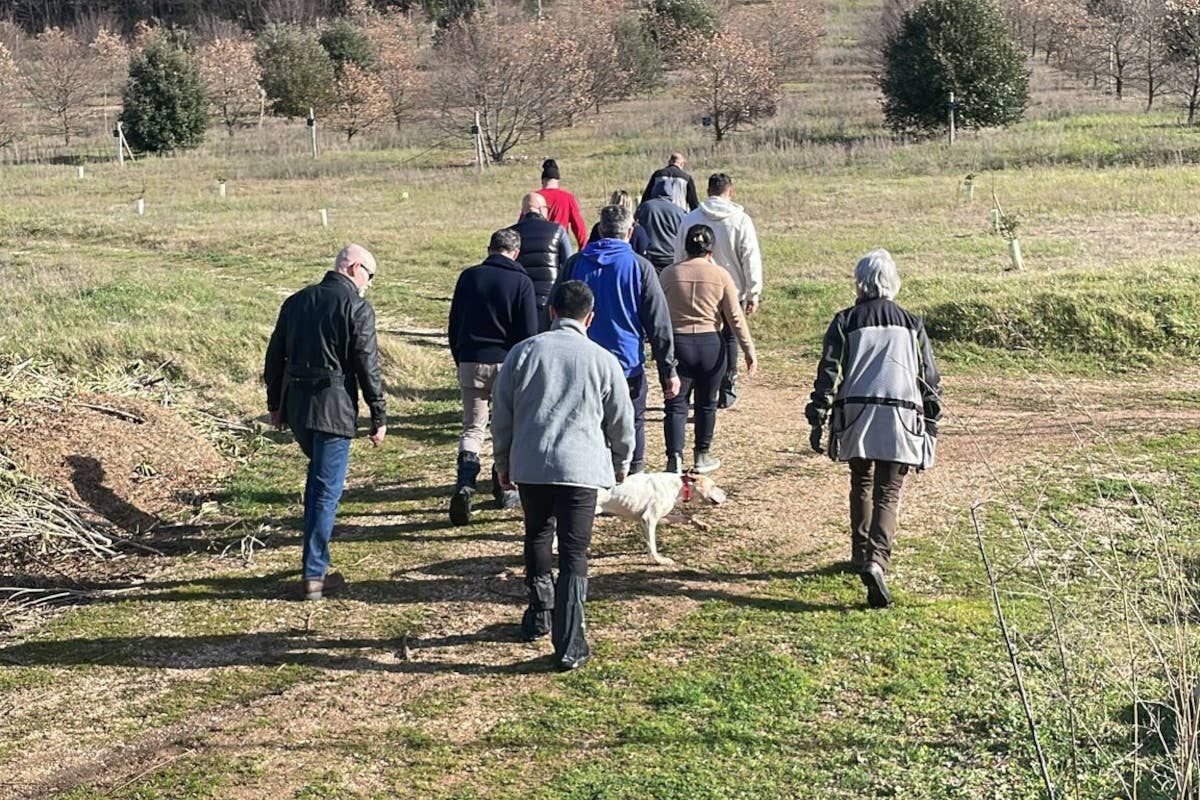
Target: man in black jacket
{"x":678,"y":184}
{"x":322,"y":353}
{"x":545,"y":247}
{"x":494,"y":308}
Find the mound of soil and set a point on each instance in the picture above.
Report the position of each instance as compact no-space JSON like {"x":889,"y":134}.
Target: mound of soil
{"x":132,"y":462}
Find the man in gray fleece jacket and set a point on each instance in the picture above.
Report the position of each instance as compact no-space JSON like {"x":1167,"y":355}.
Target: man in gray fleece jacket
{"x":562,"y":428}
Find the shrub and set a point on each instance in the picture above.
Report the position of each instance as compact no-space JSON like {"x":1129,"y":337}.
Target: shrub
{"x":346,"y":43}
{"x":445,"y":13}
{"x":675,"y":25}
{"x":165,"y":107}
{"x":637,"y":56}
{"x":960,"y":46}
{"x":298,"y":73}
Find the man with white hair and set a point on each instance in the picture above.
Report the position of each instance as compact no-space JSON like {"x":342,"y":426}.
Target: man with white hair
{"x":673,"y":183}
{"x":878,"y":387}
{"x":322,"y":353}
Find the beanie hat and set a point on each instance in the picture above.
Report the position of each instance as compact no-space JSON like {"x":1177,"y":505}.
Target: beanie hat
{"x":550,"y":170}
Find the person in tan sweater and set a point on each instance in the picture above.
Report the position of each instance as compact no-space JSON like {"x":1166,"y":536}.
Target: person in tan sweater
{"x":703,"y":300}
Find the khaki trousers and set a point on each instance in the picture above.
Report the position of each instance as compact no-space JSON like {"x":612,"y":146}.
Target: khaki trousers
{"x":476,"y":382}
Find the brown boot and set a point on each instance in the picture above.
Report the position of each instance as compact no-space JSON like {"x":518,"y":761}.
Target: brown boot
{"x":316,"y":589}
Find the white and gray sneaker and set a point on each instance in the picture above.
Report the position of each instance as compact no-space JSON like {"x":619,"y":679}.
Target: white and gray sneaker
{"x":705,"y":463}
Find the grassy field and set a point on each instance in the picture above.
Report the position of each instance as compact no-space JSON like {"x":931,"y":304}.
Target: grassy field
{"x":752,"y":669}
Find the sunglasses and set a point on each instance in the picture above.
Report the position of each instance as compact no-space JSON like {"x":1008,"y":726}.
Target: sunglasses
{"x":370,"y":275}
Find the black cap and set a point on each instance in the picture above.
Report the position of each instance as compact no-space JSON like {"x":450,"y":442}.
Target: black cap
{"x":550,"y":170}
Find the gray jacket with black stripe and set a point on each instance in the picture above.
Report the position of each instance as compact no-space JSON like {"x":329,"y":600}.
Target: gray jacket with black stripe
{"x":877,"y":384}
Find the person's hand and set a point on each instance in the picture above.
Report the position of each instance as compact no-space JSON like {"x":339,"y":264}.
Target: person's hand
{"x":620,"y":478}
{"x":672,"y":388}
{"x":751,"y":367}
{"x":814,"y":439}
{"x":751,"y":307}
{"x":377,"y":436}
{"x":505,"y":484}
{"x":277,"y":420}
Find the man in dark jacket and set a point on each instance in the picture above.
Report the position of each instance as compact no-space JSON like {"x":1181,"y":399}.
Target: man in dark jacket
{"x":545,"y":247}
{"x":494,"y":308}
{"x":659,"y":217}
{"x":630,"y":309}
{"x":322,"y":353}
{"x":678,"y":184}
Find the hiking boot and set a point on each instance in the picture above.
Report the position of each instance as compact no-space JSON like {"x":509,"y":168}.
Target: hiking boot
{"x":509,"y":499}
{"x":704,"y":462}
{"x":878,"y":595}
{"x":317,"y":589}
{"x":460,"y":506}
{"x":675,"y":463}
{"x":460,"y":503}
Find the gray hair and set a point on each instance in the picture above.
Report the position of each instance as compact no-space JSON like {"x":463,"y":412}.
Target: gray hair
{"x":615,"y":222}
{"x":505,"y":240}
{"x":876,"y":276}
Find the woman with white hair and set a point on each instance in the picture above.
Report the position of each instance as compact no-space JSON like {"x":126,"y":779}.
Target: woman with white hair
{"x":878,"y":387}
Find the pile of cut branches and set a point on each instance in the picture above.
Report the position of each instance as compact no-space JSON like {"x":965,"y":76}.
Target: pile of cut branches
{"x":36,"y":521}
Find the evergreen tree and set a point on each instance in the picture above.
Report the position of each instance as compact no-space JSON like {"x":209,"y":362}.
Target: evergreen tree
{"x":165,"y":107}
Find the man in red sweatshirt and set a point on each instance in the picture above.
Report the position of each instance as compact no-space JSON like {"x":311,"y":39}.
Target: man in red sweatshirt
{"x":561,"y":205}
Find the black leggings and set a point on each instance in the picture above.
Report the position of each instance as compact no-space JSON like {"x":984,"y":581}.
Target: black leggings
{"x":701,"y":358}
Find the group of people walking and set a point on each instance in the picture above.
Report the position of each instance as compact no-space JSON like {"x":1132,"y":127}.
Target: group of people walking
{"x":550,"y":341}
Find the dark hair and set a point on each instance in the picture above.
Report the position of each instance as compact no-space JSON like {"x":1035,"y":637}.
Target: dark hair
{"x":550,"y":169}
{"x":573,"y":300}
{"x":718,"y":183}
{"x":699,"y":241}
{"x":504,"y":240}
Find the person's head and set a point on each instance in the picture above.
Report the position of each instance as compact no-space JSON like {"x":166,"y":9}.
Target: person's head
{"x":505,"y":242}
{"x":876,"y":276}
{"x":720,"y":185}
{"x":573,"y":300}
{"x":699,"y":241}
{"x":616,"y":222}
{"x":533,"y":203}
{"x":677,"y":160}
{"x":550,"y":171}
{"x":621,"y":198}
{"x":357,"y":264}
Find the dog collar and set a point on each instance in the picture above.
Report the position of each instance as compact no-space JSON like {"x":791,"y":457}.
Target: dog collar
{"x":687,"y":489}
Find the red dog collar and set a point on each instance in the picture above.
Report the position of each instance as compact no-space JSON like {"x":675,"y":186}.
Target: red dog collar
{"x":687,"y":489}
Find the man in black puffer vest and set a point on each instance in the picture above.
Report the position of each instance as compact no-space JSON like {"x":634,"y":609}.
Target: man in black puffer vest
{"x":545,"y":247}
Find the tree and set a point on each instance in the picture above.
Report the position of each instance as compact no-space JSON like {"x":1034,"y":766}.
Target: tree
{"x":362,"y":102}
{"x":61,"y":77}
{"x":112,"y":64}
{"x":1182,"y":33}
{"x":445,"y":14}
{"x":673,"y":25}
{"x":232,"y":79}
{"x":394,"y":40}
{"x":297,"y":73}
{"x":12,"y":120}
{"x":789,"y":30}
{"x":165,"y":108}
{"x":736,"y":82}
{"x":346,"y":43}
{"x":960,"y":46}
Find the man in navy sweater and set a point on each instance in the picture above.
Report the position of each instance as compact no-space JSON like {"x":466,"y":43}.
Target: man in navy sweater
{"x":630,"y":311}
{"x":494,"y":308}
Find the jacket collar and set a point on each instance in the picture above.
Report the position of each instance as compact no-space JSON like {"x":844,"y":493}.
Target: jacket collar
{"x":503,"y":262}
{"x":333,"y":276}
{"x":566,"y":323}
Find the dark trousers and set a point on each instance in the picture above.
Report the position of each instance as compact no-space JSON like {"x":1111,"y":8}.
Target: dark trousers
{"x":874,"y":509}
{"x":701,"y":367}
{"x":328,"y":457}
{"x":570,"y":511}
{"x":637,"y":393}
{"x":729,"y":381}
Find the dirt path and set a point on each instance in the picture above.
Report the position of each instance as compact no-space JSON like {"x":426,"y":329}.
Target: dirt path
{"x":786,"y":510}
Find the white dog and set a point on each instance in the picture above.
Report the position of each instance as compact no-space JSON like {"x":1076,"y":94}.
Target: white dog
{"x":651,"y":496}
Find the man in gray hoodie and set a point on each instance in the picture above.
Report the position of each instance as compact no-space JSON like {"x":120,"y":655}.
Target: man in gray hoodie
{"x":659,"y":217}
{"x":735,"y":249}
{"x":562,"y":428}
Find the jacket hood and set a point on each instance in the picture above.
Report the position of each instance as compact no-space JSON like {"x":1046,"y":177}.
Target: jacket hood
{"x":659,"y":189}
{"x":607,"y":251}
{"x":718,"y":208}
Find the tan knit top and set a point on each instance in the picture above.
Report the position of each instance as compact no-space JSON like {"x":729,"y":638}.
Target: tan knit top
{"x":702,"y":297}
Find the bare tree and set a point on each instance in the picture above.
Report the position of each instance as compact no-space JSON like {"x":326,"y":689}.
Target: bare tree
{"x":232,"y":78}
{"x":61,"y":78}
{"x":112,"y":65}
{"x":11,"y":110}
{"x":789,"y":30}
{"x":396,"y":41}
{"x":1183,"y":48}
{"x":736,"y":82}
{"x":362,"y":103}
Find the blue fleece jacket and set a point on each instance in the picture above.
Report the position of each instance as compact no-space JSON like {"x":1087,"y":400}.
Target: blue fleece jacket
{"x":630,"y":305}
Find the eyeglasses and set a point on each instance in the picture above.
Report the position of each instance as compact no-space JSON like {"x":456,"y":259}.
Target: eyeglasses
{"x":370,"y":275}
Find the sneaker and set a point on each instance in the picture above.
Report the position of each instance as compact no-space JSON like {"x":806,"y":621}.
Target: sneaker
{"x":878,"y":595}
{"x":675,"y":463}
{"x":705,"y":463}
{"x":317,"y":589}
{"x":509,"y":500}
{"x":727,"y":398}
{"x":566,"y":665}
{"x":637,"y":467}
{"x":460,"y":507}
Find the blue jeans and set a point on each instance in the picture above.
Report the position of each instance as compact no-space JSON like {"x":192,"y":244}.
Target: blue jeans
{"x":328,"y":457}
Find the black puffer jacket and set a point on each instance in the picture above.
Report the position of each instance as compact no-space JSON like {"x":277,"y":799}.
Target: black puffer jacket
{"x":545,"y":247}
{"x":323,"y":351}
